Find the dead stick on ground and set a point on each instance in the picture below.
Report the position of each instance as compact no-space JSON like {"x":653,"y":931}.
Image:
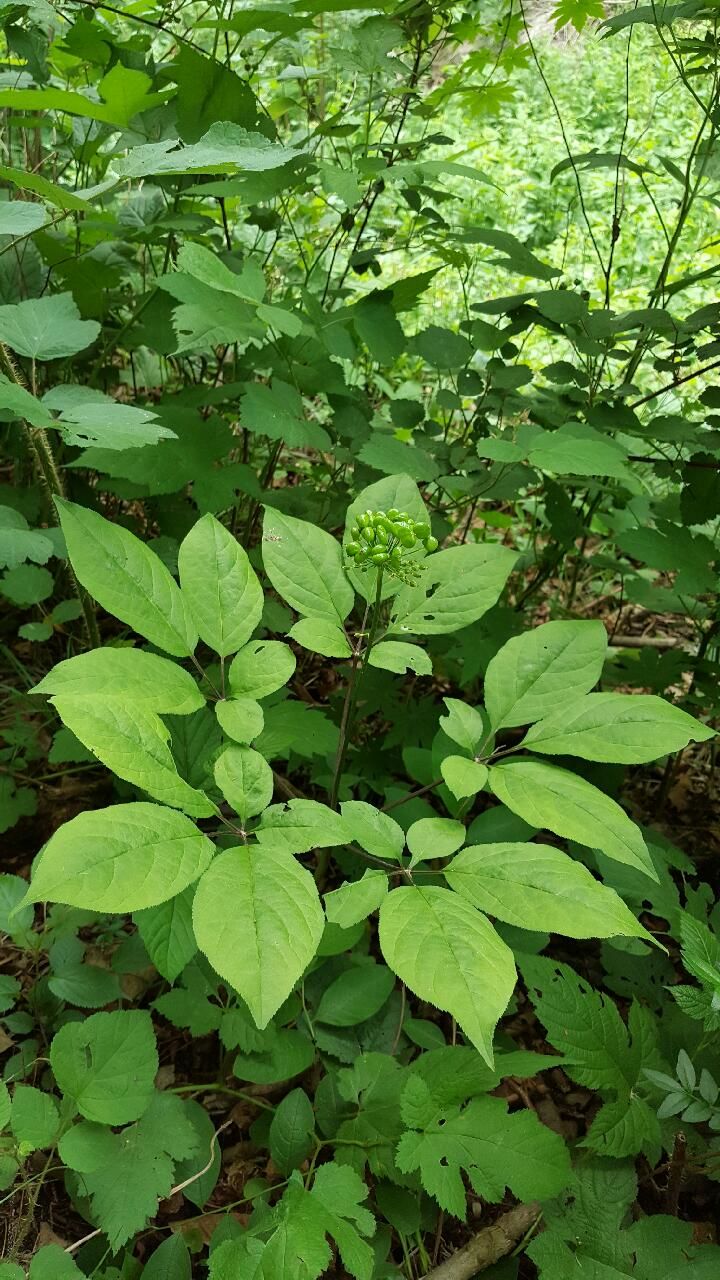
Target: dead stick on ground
{"x":489,"y":1245}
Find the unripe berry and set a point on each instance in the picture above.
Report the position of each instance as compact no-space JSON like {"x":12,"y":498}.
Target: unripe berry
{"x":378,"y":556}
{"x":431,"y":544}
{"x":353,"y":548}
{"x":422,"y":530}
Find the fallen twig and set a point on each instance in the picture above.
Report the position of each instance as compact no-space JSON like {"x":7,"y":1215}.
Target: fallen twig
{"x":489,"y":1245}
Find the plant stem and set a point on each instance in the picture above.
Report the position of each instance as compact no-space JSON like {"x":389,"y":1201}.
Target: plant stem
{"x":356,"y":675}
{"x":44,"y":459}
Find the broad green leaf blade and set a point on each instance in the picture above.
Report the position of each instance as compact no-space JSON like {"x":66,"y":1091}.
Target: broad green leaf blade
{"x":463,"y":777}
{"x":356,"y":995}
{"x":167,"y":932}
{"x":301,"y":825}
{"x":241,"y":719}
{"x":494,"y":1148}
{"x":170,"y":1261}
{"x":465,"y":725}
{"x":304,"y":564}
{"x":356,"y":899}
{"x":457,"y":587}
{"x":35,"y":1119}
{"x":123,"y":858}
{"x":394,"y":655}
{"x":107,"y":1065}
{"x":434,"y":838}
{"x":225,"y":148}
{"x":320,"y":636}
{"x":260,"y":668}
{"x":257,"y":917}
{"x":536,"y":672}
{"x":291,"y":1131}
{"x":221,"y":587}
{"x":376,"y":832}
{"x":127,"y":579}
{"x":124,"y":675}
{"x":133,"y":743}
{"x":560,"y":801}
{"x":538,"y":887}
{"x":46,"y":328}
{"x":627,"y":728}
{"x":448,"y":953}
{"x":245,"y":779}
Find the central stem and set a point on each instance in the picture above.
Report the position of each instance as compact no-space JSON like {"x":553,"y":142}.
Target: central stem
{"x":353,"y":689}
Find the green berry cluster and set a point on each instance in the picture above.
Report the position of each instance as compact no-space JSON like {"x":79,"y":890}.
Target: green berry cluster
{"x":387,"y":540}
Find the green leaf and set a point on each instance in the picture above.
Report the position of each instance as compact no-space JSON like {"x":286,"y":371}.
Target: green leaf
{"x":123,"y":858}
{"x":463,"y":777}
{"x":133,"y":743}
{"x":374,"y":831}
{"x":51,"y":192}
{"x":517,"y":257}
{"x":107,"y":1065}
{"x":46,"y":328}
{"x":85,"y":985}
{"x":304,"y":564}
{"x":257,"y":917}
{"x":127,"y":579}
{"x":587,"y":1027}
{"x":394,"y":655}
{"x":457,"y":587}
{"x":384,"y":452}
{"x":321,"y":636}
{"x":535,"y":673}
{"x":124,"y":675}
{"x":245,"y":779}
{"x":535,"y":886}
{"x":356,"y":899}
{"x":208,"y":1149}
{"x":494,"y":1148}
{"x":288,"y":1055}
{"x":171,"y":1260}
{"x":441,"y":348}
{"x":35,"y":1119}
{"x":434,"y":838}
{"x":52,"y":1262}
{"x":225,"y":148}
{"x":221,"y":587}
{"x":242,"y":719}
{"x":208,"y":92}
{"x":449,"y":954}
{"x":18,"y":542}
{"x":560,"y":801}
{"x":27,"y":584}
{"x":463,"y":724}
{"x":291,"y":1131}
{"x":358,"y":994}
{"x":86,"y":1146}
{"x":5,"y":1105}
{"x":301,"y":825}
{"x":124,"y":1192}
{"x":20,"y":218}
{"x":577,"y":449}
{"x":627,"y":728}
{"x":167,"y":933}
{"x":260,"y":668}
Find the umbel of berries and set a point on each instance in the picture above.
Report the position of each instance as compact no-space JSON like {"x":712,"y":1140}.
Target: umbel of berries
{"x":389,"y":541}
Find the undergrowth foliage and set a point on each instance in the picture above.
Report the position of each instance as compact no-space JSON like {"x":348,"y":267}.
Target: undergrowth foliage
{"x":335,"y":520}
